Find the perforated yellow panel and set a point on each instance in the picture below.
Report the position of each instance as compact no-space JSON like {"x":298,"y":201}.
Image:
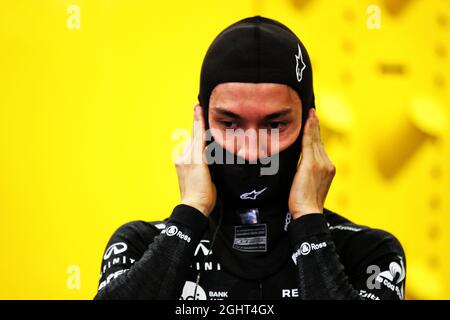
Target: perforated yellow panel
{"x":91,"y":91}
{"x":381,"y":75}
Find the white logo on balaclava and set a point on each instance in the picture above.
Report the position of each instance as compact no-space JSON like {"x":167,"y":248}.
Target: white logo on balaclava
{"x":300,"y":65}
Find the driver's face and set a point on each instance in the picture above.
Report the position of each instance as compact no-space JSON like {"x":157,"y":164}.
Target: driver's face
{"x":250,"y":107}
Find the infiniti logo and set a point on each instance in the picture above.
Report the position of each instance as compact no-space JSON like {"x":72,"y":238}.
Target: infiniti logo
{"x":115,"y":249}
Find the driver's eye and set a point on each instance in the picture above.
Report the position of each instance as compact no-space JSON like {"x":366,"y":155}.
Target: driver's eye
{"x":276,"y":125}
{"x":227,"y":124}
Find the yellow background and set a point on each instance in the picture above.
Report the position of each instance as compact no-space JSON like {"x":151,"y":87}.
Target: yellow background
{"x":86,"y":117}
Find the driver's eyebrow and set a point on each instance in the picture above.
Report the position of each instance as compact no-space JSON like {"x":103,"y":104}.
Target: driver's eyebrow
{"x":223,"y":112}
{"x":277,"y":114}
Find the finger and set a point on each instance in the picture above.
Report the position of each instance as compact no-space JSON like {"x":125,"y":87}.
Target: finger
{"x":185,"y":155}
{"x":319,"y":150}
{"x":319,"y":142}
{"x":317,"y":139}
{"x":316,"y":130}
{"x":322,"y":156}
{"x":308,"y":131}
{"x":308,"y":134}
{"x":198,"y":135}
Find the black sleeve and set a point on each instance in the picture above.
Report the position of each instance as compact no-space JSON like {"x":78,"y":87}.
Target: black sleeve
{"x":375,"y":268}
{"x":135,"y":267}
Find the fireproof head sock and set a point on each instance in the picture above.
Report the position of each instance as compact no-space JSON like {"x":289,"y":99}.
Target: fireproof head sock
{"x":257,"y":50}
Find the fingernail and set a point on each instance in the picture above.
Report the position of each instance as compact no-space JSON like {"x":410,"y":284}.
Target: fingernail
{"x":195,"y":112}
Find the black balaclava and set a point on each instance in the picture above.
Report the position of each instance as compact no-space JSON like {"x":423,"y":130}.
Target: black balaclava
{"x":252,"y":209}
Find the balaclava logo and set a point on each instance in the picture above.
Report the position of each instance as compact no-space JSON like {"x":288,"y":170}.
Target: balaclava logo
{"x":252,"y":195}
{"x":299,"y":65}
